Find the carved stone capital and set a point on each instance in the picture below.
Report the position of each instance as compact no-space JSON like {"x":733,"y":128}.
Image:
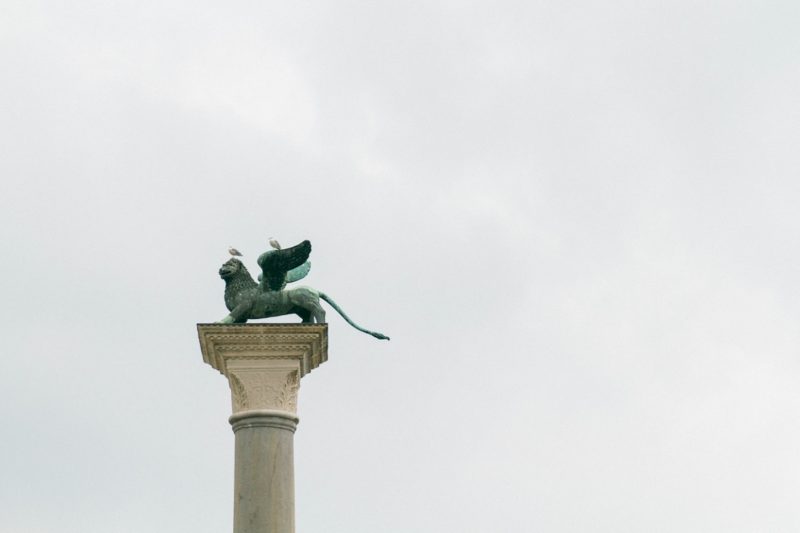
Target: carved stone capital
{"x":264,"y":362}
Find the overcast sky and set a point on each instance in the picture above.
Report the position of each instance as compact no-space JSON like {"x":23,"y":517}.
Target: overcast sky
{"x":576,"y":220}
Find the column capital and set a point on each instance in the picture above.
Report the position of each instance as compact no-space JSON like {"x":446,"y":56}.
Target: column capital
{"x":264,"y":362}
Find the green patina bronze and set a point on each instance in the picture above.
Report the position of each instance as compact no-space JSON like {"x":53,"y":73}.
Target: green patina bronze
{"x":247,"y":299}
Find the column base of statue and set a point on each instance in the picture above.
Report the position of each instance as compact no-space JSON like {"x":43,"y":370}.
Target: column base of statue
{"x":264,"y":364}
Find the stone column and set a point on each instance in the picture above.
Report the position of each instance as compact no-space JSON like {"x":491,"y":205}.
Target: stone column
{"x":264,"y":364}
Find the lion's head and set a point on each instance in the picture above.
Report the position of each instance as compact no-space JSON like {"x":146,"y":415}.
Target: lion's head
{"x":231,"y":268}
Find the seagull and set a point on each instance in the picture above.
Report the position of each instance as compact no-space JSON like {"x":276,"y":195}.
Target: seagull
{"x":234,"y":252}
{"x":274,"y":243}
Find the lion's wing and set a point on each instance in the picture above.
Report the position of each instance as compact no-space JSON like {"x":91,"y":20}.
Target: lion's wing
{"x":298,"y":273}
{"x":276,"y":263}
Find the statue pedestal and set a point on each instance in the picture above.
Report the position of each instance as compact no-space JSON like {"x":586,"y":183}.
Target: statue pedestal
{"x":264,"y":364}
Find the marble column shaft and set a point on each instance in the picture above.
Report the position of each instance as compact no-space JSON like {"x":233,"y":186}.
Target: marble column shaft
{"x":264,"y":472}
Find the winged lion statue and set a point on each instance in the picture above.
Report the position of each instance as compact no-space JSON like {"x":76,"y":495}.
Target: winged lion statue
{"x":247,"y":299}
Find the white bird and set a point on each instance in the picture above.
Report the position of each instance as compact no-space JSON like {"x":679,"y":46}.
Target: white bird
{"x":234,"y":252}
{"x":274,"y":243}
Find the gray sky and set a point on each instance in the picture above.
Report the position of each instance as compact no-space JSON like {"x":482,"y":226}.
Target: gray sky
{"x":576,"y":220}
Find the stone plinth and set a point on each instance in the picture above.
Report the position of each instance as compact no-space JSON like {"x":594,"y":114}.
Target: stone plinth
{"x":264,"y":364}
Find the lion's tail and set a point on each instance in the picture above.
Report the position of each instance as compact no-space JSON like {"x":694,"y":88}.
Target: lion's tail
{"x":347,"y":318}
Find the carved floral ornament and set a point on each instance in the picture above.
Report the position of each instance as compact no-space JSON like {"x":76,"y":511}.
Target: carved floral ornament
{"x":264,"y":390}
